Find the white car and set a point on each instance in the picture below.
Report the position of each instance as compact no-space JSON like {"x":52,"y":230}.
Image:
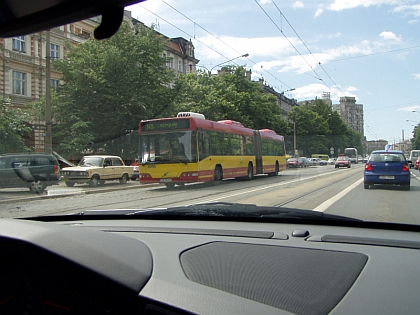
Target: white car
{"x":331,"y":161}
{"x":96,"y":169}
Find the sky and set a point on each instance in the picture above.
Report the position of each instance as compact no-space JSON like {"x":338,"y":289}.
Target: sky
{"x":367,"y":49}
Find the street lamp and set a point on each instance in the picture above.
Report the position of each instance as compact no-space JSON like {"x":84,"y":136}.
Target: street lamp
{"x":242,"y":56}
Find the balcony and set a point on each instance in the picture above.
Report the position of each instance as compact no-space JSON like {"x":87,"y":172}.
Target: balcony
{"x":19,"y":57}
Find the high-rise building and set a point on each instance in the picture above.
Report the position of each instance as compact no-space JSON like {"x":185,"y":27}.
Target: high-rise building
{"x":351,"y":113}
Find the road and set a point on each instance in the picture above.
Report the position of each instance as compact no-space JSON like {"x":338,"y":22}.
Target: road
{"x":322,"y":188}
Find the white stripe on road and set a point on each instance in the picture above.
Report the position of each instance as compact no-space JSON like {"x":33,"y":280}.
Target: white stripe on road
{"x":328,"y":203}
{"x":230,"y":195}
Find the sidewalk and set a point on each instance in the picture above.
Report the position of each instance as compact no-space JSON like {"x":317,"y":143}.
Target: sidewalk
{"x":11,"y":195}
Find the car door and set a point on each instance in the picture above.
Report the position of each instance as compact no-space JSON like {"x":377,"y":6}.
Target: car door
{"x":108,"y":169}
{"x":118,"y":167}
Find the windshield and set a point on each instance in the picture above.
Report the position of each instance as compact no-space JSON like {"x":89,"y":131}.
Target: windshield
{"x":166,"y":147}
{"x":217,"y":102}
{"x":91,"y":161}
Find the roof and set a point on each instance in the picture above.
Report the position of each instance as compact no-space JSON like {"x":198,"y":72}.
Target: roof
{"x":387,"y":151}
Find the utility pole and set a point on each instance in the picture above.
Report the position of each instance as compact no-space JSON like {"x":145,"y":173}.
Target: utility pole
{"x":48,"y":122}
{"x":294,"y":139}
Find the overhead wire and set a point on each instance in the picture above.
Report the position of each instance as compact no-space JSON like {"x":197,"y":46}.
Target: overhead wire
{"x":317,"y":76}
{"x":211,"y":34}
{"x":310,"y":52}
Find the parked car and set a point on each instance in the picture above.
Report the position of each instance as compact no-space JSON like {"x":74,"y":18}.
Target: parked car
{"x":316,"y":162}
{"x":331,"y":161}
{"x":135,"y":166}
{"x":96,"y":169}
{"x":416,"y":165}
{"x":303,"y":162}
{"x":343,"y":161}
{"x":33,"y":170}
{"x":387,"y":168}
{"x":293,"y":162}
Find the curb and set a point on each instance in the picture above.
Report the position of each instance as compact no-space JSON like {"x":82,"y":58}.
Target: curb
{"x":80,"y":192}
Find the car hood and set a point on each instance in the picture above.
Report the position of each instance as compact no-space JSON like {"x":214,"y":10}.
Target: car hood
{"x":79,"y":168}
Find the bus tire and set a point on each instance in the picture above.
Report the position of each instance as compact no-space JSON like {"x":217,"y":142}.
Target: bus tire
{"x":250,"y":172}
{"x":276,"y":172}
{"x":169,"y":185}
{"x":218,"y":173}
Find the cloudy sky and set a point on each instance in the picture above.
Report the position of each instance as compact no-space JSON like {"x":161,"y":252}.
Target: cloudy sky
{"x":368,"y":49}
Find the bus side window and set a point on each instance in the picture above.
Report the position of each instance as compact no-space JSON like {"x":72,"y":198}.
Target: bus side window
{"x":204,"y":145}
{"x":249,"y":146}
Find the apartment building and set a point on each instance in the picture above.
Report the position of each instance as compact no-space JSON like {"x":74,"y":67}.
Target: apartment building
{"x":23,"y":71}
{"x":351,"y":113}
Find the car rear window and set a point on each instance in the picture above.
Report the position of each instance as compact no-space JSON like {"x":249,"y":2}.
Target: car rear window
{"x":387,"y":157}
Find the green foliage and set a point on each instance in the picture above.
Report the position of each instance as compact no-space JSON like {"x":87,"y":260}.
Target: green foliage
{"x":318,"y":128}
{"x":13,"y":128}
{"x":229,"y":95}
{"x":415,"y":141}
{"x":110,"y":85}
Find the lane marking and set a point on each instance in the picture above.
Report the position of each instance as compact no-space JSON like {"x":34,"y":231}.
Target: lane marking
{"x":267,"y":187}
{"x":328,"y":203}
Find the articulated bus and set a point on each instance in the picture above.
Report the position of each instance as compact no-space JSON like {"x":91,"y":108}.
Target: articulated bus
{"x":189,"y":148}
{"x":352,"y":154}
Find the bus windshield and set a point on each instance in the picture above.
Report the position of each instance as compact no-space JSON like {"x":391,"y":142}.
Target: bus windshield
{"x":172,"y":147}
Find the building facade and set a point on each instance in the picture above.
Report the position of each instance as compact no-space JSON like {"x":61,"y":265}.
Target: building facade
{"x":23,"y":71}
{"x":351,"y":113}
{"x":284,"y":103}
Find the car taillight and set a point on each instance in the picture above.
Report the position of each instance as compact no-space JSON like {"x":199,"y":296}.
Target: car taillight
{"x":56,"y":170}
{"x":406,"y":168}
{"x":368,"y":167}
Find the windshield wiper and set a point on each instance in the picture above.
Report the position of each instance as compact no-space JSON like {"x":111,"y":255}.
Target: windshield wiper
{"x":237,"y":210}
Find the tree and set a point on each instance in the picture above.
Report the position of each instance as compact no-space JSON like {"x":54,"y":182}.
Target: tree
{"x":311,"y":130}
{"x":13,"y":128}
{"x":229,"y":95}
{"x":415,"y":142}
{"x":110,"y":85}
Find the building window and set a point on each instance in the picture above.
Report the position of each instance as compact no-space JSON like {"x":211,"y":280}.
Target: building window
{"x":179,"y":65}
{"x":54,"y":51}
{"x":18,"y":43}
{"x":19,"y":83}
{"x":54,"y":83}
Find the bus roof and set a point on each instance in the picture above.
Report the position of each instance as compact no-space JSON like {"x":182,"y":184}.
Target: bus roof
{"x":193,"y":123}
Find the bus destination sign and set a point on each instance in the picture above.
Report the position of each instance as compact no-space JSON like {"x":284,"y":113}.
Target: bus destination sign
{"x":165,"y":125}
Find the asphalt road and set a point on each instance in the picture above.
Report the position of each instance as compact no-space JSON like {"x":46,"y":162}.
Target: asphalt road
{"x":322,"y":188}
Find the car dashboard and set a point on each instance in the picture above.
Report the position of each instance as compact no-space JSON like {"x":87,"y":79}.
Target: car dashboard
{"x":158,"y":266}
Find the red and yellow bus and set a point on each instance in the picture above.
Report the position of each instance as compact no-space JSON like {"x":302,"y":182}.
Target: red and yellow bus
{"x":189,"y":148}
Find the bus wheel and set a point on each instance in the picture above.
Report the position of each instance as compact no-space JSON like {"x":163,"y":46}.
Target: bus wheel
{"x":218,"y":173}
{"x":169,"y":185}
{"x":275,"y":173}
{"x":250,"y":173}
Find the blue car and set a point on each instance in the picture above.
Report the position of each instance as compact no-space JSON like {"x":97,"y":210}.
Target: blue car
{"x":387,"y":167}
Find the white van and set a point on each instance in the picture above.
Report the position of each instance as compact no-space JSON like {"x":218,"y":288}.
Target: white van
{"x":414,"y":154}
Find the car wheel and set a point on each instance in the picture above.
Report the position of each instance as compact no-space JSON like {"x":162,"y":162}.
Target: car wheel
{"x":406,"y":186}
{"x":124,"y":179}
{"x":101,"y":182}
{"x":69,"y":184}
{"x":366,"y":185}
{"x":349,"y":166}
{"x":37,"y":186}
{"x":94,"y":181}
